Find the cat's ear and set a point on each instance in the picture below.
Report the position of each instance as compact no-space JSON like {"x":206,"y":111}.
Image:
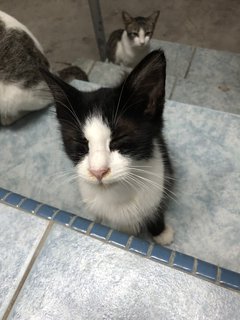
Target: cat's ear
{"x":64,"y":94}
{"x":154,"y":16}
{"x":145,"y":86}
{"x":126,"y":17}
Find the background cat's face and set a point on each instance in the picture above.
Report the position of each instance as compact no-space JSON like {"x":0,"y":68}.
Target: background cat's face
{"x":109,"y":131}
{"x":140,"y":29}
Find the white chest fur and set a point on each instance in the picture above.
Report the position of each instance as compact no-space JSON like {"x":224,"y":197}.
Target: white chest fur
{"x":129,"y":54}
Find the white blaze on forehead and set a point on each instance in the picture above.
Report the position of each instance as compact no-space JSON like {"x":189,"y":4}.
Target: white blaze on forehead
{"x":141,"y":35}
{"x":98,"y":134}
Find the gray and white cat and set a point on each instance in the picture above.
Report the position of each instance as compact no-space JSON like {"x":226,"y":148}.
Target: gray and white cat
{"x":21,"y":83}
{"x":130,"y":45}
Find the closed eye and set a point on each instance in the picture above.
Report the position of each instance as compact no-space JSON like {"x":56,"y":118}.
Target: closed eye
{"x":81,"y":144}
{"x":148,"y":34}
{"x":119,"y":138}
{"x":116,"y":142}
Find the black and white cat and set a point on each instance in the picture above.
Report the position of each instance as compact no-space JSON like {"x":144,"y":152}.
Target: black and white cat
{"x":21,"y":83}
{"x":130,"y":45}
{"x":114,"y":136}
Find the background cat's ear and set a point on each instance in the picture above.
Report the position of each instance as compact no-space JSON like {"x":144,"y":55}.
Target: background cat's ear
{"x":126,"y":17}
{"x":145,"y":86}
{"x":154,"y":16}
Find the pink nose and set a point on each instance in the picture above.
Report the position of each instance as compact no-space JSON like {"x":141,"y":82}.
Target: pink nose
{"x":99,"y":174}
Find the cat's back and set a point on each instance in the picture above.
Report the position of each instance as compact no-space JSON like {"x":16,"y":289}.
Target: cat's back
{"x":8,"y":24}
{"x":113,"y":40}
{"x":20,"y":53}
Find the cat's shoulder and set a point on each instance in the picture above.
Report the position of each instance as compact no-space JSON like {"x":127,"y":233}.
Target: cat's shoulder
{"x":113,"y":39}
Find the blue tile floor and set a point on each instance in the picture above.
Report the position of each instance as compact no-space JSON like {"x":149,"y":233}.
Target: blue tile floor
{"x":48,"y":271}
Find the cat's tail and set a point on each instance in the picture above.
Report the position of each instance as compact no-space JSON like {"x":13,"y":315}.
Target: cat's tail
{"x":72,"y":72}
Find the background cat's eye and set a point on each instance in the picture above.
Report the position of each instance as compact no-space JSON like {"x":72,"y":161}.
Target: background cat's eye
{"x":133,"y":34}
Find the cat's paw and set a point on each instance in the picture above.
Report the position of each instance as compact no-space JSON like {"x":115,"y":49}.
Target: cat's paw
{"x":166,"y":237}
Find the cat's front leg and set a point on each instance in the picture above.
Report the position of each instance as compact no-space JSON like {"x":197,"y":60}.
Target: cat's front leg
{"x":162,"y":234}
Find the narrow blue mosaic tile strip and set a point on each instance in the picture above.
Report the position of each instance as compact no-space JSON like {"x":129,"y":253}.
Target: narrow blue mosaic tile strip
{"x":29,"y":205}
{"x":3,"y":193}
{"x":161,"y":253}
{"x":191,"y":265}
{"x":81,"y":224}
{"x":119,"y":238}
{"x":63,"y":217}
{"x":183,"y":261}
{"x":139,"y":246}
{"x":46,"y":211}
{"x":99,"y":231}
{"x":206,"y":270}
{"x":230,"y":279}
{"x":13,"y":199}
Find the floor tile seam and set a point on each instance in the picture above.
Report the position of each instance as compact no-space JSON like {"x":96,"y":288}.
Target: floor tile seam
{"x":173,"y":88}
{"x":28,"y":269}
{"x":190,"y":63}
{"x":91,"y":69}
{"x":214,"y":81}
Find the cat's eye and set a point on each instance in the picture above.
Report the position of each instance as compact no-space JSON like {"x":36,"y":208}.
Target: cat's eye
{"x":81,"y":145}
{"x":116,"y":142}
{"x":133,"y":34}
{"x":148,"y":34}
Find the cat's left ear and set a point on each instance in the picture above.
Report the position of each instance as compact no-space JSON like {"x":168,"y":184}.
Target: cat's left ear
{"x":127,"y":19}
{"x":145,"y":86}
{"x":65,"y":96}
{"x":59,"y":88}
{"x":154,"y":16}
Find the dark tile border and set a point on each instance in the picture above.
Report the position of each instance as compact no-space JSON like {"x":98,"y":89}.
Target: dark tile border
{"x":171,"y":258}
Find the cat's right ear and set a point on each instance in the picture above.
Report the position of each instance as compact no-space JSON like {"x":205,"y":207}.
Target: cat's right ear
{"x":154,"y":17}
{"x":126,"y":17}
{"x":145,"y":85}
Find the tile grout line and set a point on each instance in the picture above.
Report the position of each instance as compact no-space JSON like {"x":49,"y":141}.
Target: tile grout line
{"x":190,"y":63}
{"x":91,"y":68}
{"x":173,"y":88}
{"x":27,"y":271}
{"x":219,"y":271}
{"x":20,"y":203}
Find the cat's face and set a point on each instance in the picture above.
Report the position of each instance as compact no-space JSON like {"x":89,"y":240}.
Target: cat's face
{"x":140,"y":29}
{"x":109,"y":131}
